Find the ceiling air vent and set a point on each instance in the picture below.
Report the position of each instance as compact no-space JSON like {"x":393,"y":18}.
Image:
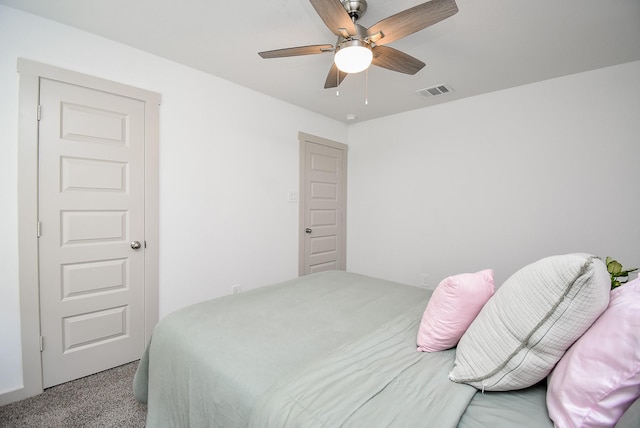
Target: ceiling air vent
{"x":436,"y":90}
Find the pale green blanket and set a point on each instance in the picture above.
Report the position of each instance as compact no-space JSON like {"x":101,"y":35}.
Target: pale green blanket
{"x":208,"y":364}
{"x":378,"y":381}
{"x":212,"y":364}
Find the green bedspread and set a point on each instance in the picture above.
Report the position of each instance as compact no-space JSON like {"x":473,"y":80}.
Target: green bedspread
{"x":330,"y":349}
{"x":208,"y":364}
{"x":378,"y":381}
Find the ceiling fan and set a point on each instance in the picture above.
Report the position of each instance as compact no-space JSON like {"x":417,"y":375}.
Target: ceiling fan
{"x":356,"y":41}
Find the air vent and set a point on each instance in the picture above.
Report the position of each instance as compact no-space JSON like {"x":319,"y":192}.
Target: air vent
{"x":436,"y":90}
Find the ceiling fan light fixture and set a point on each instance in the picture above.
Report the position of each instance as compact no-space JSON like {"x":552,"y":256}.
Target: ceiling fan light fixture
{"x":353,"y":56}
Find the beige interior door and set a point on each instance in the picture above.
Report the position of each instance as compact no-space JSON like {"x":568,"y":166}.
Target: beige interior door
{"x":323,"y":205}
{"x":91,"y":230}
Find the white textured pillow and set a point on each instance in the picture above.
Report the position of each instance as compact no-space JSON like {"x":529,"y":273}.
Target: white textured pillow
{"x":526,"y":327}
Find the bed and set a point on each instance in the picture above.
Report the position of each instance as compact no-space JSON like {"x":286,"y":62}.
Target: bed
{"x":325,"y":350}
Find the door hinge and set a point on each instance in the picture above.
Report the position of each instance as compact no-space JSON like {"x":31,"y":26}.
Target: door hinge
{"x":41,"y":343}
{"x":39,"y":112}
{"x":39,"y":230}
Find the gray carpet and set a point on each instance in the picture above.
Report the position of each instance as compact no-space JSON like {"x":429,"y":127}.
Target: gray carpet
{"x":101,"y":400}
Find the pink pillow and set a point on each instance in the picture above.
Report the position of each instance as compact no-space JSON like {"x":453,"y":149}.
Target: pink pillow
{"x":599,"y":376}
{"x":454,"y":305}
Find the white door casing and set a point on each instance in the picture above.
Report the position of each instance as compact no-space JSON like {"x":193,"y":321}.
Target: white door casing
{"x":91,"y":208}
{"x":323,"y":166}
{"x":31,"y":74}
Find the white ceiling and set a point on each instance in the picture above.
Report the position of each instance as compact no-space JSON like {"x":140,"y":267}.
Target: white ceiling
{"x":487,"y":46}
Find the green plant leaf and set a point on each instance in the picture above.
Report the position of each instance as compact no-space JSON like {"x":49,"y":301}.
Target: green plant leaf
{"x":614,"y":268}
{"x":618,"y":276}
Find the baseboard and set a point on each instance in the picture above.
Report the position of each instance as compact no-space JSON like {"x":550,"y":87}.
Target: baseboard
{"x":17,"y":395}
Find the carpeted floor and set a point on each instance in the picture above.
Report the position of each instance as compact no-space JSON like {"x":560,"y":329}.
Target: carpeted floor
{"x":101,"y":400}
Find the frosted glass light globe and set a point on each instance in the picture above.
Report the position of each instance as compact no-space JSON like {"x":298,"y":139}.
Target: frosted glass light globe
{"x":354,"y":57}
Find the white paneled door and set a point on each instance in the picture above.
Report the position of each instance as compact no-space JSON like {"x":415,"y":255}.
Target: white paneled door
{"x":91,"y":230}
{"x":323,"y":185}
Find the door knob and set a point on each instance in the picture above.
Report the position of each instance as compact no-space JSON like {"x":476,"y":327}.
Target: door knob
{"x":307,"y":230}
{"x":136,"y":245}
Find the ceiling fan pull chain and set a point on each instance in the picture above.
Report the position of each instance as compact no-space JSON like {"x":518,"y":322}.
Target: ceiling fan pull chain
{"x":338,"y":82}
{"x":366,"y":87}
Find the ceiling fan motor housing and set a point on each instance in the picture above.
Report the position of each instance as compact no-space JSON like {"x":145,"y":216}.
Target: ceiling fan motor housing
{"x":361,"y":34}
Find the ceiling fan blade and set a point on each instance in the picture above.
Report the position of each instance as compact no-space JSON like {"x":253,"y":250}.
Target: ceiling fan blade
{"x":299,"y":50}
{"x":334,"y":78}
{"x":393,"y":59}
{"x":334,"y":15}
{"x":414,"y":19}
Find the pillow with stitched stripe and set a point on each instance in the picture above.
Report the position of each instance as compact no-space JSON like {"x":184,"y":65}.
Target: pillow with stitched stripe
{"x":529,"y":323}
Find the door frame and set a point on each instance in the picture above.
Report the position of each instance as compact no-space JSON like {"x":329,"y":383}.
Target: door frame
{"x":30,"y":73}
{"x":342,"y":229}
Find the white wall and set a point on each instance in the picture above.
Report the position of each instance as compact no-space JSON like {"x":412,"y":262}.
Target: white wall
{"x":228,"y":157}
{"x":499,"y":180}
